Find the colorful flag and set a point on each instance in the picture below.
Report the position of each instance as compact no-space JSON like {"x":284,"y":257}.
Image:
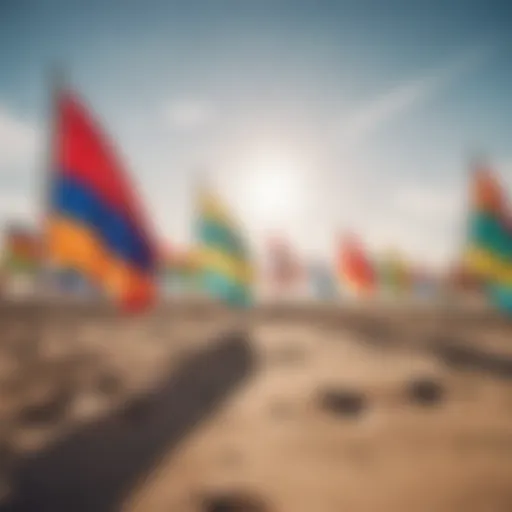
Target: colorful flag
{"x":95,"y":223}
{"x":501,"y":295}
{"x":394,"y":275}
{"x":283,"y":266}
{"x":21,"y":251}
{"x":355,"y":268}
{"x":224,"y":266}
{"x":489,"y":248}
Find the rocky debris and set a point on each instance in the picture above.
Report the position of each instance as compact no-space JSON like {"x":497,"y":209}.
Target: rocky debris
{"x":425,"y":391}
{"x":377,"y":333}
{"x":343,"y":402}
{"x":232,"y":502}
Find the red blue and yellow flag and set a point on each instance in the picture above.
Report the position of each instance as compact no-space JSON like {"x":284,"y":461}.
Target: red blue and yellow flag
{"x":95,"y":222}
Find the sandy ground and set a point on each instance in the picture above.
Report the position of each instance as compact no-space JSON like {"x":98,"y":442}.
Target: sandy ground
{"x":274,"y":441}
{"x":271,"y":439}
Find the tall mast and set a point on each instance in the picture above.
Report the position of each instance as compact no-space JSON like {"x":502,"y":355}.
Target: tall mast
{"x":56,"y":83}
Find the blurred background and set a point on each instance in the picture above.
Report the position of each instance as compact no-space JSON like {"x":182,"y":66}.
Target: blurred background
{"x":260,"y":176}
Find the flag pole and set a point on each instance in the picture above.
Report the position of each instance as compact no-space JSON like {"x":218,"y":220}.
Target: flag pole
{"x":56,"y":80}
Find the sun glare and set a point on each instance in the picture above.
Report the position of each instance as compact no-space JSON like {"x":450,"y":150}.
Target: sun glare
{"x":273,"y":188}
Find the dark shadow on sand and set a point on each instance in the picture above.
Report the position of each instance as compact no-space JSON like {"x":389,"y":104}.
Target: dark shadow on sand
{"x":94,"y":468}
{"x":456,"y":355}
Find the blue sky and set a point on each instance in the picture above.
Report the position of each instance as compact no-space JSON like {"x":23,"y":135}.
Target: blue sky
{"x":310,"y":117}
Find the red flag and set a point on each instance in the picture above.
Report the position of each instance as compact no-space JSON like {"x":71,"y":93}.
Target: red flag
{"x":355,"y":267}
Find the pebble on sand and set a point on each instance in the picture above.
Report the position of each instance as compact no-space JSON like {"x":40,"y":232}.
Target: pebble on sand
{"x":232,"y":502}
{"x":342,"y":402}
{"x":425,"y":391}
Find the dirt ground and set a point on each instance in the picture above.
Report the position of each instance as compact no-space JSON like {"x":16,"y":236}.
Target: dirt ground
{"x":274,"y":441}
{"x":412,"y":427}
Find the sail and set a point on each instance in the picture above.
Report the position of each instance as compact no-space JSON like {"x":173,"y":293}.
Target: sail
{"x":95,"y":221}
{"x":488,"y":253}
{"x":223,"y":259}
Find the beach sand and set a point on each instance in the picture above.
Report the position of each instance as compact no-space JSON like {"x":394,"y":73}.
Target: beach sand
{"x":360,"y":411}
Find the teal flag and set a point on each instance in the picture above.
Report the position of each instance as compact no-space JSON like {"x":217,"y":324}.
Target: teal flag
{"x":224,"y":267}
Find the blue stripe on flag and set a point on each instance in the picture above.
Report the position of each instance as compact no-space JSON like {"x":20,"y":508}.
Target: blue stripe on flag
{"x":77,"y":202}
{"x":489,"y":232}
{"x":222,"y":287}
{"x":220,"y":236}
{"x":501,"y":296}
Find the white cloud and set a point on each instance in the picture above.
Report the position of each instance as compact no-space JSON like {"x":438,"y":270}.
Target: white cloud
{"x":406,"y":96}
{"x":189,"y":114}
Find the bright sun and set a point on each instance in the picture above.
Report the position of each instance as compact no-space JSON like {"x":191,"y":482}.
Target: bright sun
{"x":273,"y":189}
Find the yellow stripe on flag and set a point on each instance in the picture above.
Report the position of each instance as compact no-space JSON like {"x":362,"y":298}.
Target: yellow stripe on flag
{"x":488,"y":266}
{"x":73,"y":245}
{"x":216,"y":260}
{"x":211,"y":208}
